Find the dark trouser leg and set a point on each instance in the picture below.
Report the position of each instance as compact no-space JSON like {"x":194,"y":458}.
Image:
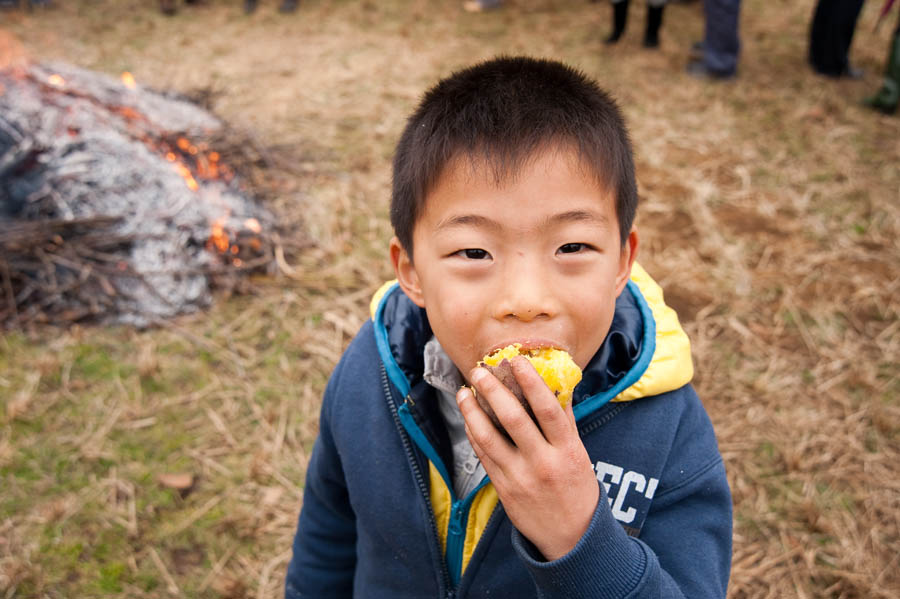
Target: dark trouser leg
{"x":654,"y":20}
{"x":830,"y":35}
{"x":620,"y":19}
{"x":722,"y":43}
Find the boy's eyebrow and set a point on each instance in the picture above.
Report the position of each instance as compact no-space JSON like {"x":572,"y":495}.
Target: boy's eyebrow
{"x":579,"y":216}
{"x":462,"y":220}
{"x":477,"y":220}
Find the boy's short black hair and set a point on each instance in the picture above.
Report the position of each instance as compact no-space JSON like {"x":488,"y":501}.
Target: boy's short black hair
{"x":503,"y":111}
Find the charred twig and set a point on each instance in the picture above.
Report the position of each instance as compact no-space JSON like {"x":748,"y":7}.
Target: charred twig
{"x":7,"y":287}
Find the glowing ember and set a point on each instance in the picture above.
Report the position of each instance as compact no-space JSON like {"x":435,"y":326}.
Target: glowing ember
{"x":218,"y":237}
{"x":128,"y":80}
{"x":253,"y":225}
{"x":187,"y":176}
{"x":56,"y":80}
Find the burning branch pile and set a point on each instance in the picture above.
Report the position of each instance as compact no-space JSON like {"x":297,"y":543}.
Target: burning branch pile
{"x":114,"y":205}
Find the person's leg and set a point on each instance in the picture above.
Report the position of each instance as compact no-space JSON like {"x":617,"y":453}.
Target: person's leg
{"x":249,"y":6}
{"x":654,"y":21}
{"x":620,"y":19}
{"x":721,"y":45}
{"x":288,"y":6}
{"x":888,"y":97}
{"x":848,"y":16}
{"x":830,"y":35}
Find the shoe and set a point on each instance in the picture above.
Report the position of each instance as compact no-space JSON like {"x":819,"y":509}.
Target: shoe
{"x":480,"y":5}
{"x":698,"y":49}
{"x":249,"y":6}
{"x":620,"y":19}
{"x":699,"y":70}
{"x":167,"y":7}
{"x":288,"y":6}
{"x":852,"y":72}
{"x":887,"y":98}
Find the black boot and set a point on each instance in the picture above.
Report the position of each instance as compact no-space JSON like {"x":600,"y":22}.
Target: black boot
{"x":888,"y":97}
{"x":654,"y":20}
{"x":620,"y":18}
{"x":249,"y":6}
{"x":288,"y":6}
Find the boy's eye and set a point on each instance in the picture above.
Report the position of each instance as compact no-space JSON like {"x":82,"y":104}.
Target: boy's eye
{"x":474,"y":254}
{"x":572,"y":248}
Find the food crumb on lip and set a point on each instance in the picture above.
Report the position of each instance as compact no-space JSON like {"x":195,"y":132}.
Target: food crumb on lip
{"x":528,"y":345}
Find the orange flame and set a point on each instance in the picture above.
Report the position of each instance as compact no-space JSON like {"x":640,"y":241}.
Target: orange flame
{"x":56,"y":80}
{"x":187,"y":176}
{"x":218,"y":237}
{"x":128,"y":80}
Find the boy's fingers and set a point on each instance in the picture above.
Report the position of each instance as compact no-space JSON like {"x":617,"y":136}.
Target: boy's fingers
{"x":552,"y":419}
{"x":518,"y":424}
{"x":493,"y":470}
{"x":481,"y":430}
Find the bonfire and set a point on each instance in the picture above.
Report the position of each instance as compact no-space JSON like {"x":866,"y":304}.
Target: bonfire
{"x":115,"y":203}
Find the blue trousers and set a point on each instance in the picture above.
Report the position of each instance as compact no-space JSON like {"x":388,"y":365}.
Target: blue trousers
{"x":722,"y":43}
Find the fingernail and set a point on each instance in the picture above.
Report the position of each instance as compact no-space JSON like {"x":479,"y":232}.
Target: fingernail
{"x":462,"y":394}
{"x":477,"y":374}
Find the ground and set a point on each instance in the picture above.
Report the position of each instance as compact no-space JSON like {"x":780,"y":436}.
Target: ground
{"x":770,"y":213}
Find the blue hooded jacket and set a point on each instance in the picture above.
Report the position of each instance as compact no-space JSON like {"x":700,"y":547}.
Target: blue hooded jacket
{"x":380,"y":518}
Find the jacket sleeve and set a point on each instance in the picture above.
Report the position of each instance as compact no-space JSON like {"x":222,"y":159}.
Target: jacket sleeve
{"x":324,"y":557}
{"x":684,"y":549}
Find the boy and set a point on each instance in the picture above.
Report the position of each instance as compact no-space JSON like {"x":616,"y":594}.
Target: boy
{"x":513,"y":201}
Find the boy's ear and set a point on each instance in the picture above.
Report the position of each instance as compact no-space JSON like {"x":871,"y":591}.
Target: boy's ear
{"x":406,"y":273}
{"x":626,"y":259}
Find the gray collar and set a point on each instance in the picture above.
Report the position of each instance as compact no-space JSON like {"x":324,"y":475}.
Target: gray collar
{"x":440,"y":371}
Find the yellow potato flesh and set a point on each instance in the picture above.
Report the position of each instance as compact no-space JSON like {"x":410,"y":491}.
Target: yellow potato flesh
{"x":555,"y":366}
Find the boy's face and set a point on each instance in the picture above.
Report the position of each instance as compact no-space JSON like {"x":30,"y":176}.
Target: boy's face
{"x":535,"y":260}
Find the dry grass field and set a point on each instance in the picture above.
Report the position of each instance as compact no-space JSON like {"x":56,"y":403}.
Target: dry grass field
{"x":770,"y":214}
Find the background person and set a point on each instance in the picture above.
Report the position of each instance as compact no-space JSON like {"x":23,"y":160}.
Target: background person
{"x":717,"y":55}
{"x":830,"y":36}
{"x":887,"y":98}
{"x":653,"y":23}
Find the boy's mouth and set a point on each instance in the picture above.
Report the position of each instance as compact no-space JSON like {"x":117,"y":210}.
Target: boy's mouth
{"x":529,"y":343}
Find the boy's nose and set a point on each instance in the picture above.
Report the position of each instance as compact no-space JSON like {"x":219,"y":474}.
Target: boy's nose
{"x":527,"y":295}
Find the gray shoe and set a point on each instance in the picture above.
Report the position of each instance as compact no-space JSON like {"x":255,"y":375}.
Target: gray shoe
{"x":699,"y":70}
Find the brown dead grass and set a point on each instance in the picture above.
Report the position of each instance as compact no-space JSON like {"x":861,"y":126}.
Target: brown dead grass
{"x":770,"y":216}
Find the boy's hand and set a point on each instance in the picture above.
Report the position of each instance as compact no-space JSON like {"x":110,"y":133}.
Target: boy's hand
{"x":545,"y":481}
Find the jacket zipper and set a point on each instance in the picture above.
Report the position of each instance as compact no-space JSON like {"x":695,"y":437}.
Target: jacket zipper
{"x":455,"y":538}
{"x":420,"y":480}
